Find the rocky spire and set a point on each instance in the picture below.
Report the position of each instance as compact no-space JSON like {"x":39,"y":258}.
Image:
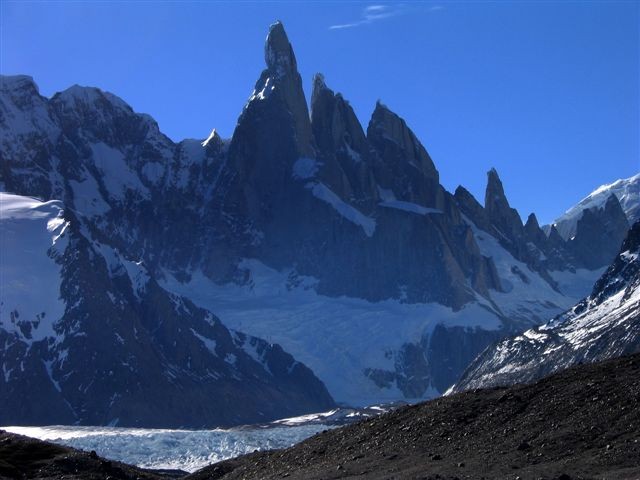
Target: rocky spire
{"x":281,"y":77}
{"x":555,"y":239}
{"x":468,"y":205}
{"x":500,"y":213}
{"x":616,"y":218}
{"x":333,"y":121}
{"x":534,"y":233}
{"x":342,"y":144}
{"x":400,"y":155}
{"x":278,"y":53}
{"x":386,"y":127}
{"x":273,"y":132}
{"x":532,"y":222}
{"x":495,"y":199}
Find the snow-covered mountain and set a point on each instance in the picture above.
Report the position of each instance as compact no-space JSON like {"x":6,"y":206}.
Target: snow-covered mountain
{"x":604,"y":325}
{"x":336,"y":243}
{"x":89,"y":337}
{"x":627,"y":191}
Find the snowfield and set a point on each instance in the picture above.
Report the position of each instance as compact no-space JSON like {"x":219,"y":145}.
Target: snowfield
{"x":320,"y":331}
{"x":32,"y":235}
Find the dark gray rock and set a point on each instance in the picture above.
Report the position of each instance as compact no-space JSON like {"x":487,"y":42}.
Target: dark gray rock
{"x":505,"y":219}
{"x":345,"y":159}
{"x":599,"y":234}
{"x":402,"y":164}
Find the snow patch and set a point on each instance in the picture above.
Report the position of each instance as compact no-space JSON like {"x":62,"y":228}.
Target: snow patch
{"x":409,"y":207}
{"x":305,"y":168}
{"x":324,"y":193}
{"x":267,"y":88}
{"x":532,"y":300}
{"x":118,"y":265}
{"x":207,"y":342}
{"x":117,"y":176}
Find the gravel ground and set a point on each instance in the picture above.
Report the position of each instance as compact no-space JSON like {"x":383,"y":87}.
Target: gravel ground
{"x":583,"y":423}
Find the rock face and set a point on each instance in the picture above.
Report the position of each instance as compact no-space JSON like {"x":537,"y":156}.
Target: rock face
{"x":301,"y":229}
{"x":505,"y":219}
{"x":604,"y":325}
{"x":599,"y":233}
{"x":125,"y":351}
{"x":402,"y":164}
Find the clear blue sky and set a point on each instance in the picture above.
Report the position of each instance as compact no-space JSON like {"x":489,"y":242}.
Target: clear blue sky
{"x":546,"y":92}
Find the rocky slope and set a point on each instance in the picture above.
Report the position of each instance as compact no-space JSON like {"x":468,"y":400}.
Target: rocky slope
{"x":604,"y":325}
{"x":580,"y":424}
{"x":305,"y":229}
{"x":24,"y":457}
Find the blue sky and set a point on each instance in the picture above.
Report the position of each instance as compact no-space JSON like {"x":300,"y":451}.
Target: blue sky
{"x":546,"y":92}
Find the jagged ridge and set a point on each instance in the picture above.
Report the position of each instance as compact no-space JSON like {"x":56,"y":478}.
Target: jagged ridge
{"x":314,"y":199}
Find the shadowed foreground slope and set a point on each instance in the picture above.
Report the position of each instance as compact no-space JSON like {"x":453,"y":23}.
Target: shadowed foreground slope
{"x":24,"y":457}
{"x":581,"y":423}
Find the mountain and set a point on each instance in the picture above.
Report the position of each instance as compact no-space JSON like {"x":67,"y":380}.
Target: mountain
{"x":604,"y":325}
{"x":627,"y":192}
{"x":335,"y":242}
{"x":89,"y":337}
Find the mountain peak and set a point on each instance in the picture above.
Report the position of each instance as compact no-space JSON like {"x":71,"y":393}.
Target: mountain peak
{"x":613,"y":203}
{"x":213,"y":139}
{"x":17,"y":82}
{"x":494,"y":194}
{"x":278,"y":53}
{"x":500,"y":213}
{"x":78,"y":94}
{"x":627,"y":192}
{"x":319,"y":86}
{"x":400,"y":154}
{"x":319,"y":82}
{"x":494,"y":182}
{"x":381,"y":109}
{"x":532,"y":222}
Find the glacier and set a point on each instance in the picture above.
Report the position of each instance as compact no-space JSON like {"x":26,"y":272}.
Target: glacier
{"x":191,"y":450}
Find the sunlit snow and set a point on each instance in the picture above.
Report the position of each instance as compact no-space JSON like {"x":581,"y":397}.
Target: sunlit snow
{"x":32,"y":235}
{"x":320,"y":331}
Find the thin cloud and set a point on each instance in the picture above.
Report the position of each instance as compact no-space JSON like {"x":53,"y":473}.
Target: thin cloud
{"x":371,"y":14}
{"x":375,"y":13}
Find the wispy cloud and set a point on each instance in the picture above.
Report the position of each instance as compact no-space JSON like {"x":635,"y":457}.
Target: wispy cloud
{"x":370,"y":14}
{"x":375,"y":13}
